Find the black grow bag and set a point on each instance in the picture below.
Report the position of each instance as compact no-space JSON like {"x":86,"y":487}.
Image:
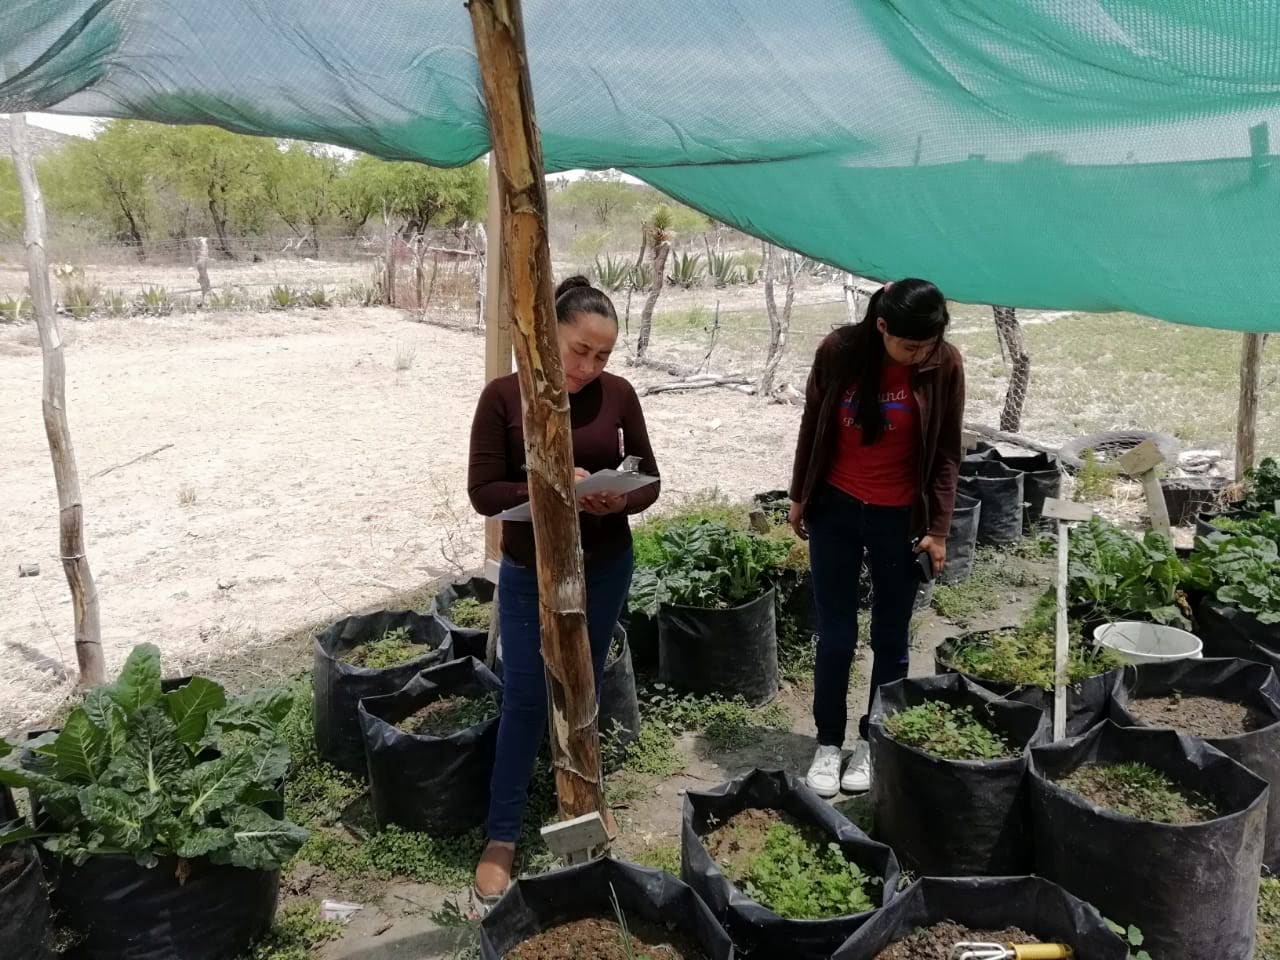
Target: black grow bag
{"x":730,"y":652}
{"x":1228,"y":631}
{"x":1036,"y":906}
{"x":1001,"y":491}
{"x":1041,"y":481}
{"x":946,"y":818}
{"x":123,"y":911}
{"x":1239,"y":681}
{"x":963,"y":539}
{"x":1206,"y":519}
{"x":535,"y":904}
{"x":642,"y":638}
{"x":1187,"y":497}
{"x":437,"y":785}
{"x":1088,"y":701}
{"x":24,"y":900}
{"x":339,"y":686}
{"x":756,"y":930}
{"x":619,"y":704}
{"x":1192,"y":890}
{"x":467,"y":641}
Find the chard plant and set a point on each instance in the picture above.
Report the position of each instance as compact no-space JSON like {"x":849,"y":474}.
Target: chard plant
{"x":1116,"y":575}
{"x":1242,"y":571}
{"x":138,"y":771}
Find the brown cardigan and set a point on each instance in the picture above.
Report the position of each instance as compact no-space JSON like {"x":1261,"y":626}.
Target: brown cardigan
{"x":938,"y":385}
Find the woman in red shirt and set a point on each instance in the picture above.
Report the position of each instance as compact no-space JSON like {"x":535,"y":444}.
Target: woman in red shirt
{"x":875,"y":477}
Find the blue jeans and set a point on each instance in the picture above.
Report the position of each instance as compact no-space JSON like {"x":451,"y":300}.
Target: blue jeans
{"x":523,"y":724}
{"x":841,"y":530}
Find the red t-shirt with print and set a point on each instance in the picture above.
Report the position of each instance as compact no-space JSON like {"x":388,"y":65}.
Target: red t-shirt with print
{"x":885,"y":473}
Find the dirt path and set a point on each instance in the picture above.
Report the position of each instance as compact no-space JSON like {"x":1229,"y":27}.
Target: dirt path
{"x":306,"y":477}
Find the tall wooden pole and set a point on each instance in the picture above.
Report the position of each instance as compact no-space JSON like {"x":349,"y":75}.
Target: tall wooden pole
{"x":497,"y":331}
{"x":1247,"y":415}
{"x":84,"y":593}
{"x":526,"y":258}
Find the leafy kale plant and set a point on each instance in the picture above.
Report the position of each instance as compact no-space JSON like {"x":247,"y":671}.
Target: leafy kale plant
{"x":1242,"y":571}
{"x":707,"y":565}
{"x":142,"y":772}
{"x":1262,"y":486}
{"x":1118,"y":576}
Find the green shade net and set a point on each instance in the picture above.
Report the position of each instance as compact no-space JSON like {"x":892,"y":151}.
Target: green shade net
{"x":1068,"y":154}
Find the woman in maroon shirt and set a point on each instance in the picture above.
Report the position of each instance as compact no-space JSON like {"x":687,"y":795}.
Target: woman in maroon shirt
{"x":608,"y":426}
{"x":875,"y":476}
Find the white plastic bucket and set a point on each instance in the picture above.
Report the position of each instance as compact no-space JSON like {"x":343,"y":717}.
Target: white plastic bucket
{"x":1148,"y":642}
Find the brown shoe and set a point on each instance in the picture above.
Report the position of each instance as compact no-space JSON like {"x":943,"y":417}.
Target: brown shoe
{"x":493,"y":872}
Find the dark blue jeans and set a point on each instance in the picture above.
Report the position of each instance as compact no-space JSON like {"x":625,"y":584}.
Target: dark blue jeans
{"x":523,"y":724}
{"x":841,"y":530}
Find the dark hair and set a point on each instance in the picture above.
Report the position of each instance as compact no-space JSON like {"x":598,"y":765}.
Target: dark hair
{"x":911,"y":309}
{"x":576,"y":295}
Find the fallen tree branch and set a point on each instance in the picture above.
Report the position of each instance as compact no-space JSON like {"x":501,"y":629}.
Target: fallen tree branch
{"x":734,"y":381}
{"x":129,"y":463}
{"x":999,"y":436}
{"x":675,"y":369}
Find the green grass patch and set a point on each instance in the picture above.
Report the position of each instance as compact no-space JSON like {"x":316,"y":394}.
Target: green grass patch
{"x":1269,"y":920}
{"x":984,"y":591}
{"x":390,"y":650}
{"x":297,"y":932}
{"x":726,"y":724}
{"x":1137,"y":790}
{"x":951,"y":733}
{"x":471,"y":614}
{"x":660,"y":856}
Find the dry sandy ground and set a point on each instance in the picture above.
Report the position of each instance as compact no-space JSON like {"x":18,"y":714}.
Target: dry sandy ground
{"x":306,"y":477}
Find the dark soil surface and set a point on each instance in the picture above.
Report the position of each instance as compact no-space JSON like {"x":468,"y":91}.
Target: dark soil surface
{"x":734,"y":844}
{"x":936,"y":942}
{"x":449,"y":715}
{"x":1198,"y":716}
{"x":598,"y":939}
{"x":1149,"y":795}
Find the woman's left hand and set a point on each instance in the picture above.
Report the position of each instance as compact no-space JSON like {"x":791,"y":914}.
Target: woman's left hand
{"x":603,"y":504}
{"x":936,"y":547}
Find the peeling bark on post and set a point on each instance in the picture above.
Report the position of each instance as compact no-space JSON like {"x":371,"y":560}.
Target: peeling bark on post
{"x":526,"y":260}
{"x":84,"y":593}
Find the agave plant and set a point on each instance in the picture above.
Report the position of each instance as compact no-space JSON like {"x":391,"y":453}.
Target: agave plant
{"x":640,"y":276}
{"x":320,"y":299}
{"x":115,"y":303}
{"x":81,"y":299}
{"x":612,"y":274}
{"x":724,"y":269}
{"x":14,"y":309}
{"x":155,"y":302}
{"x":225,"y":299}
{"x":283,"y":298}
{"x":687,"y":270}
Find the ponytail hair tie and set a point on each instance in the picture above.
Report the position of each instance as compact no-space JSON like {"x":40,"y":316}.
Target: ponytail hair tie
{"x":888,"y":286}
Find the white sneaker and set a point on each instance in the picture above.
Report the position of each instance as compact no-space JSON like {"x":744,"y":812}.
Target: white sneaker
{"x":857,"y":775}
{"x":824,"y":772}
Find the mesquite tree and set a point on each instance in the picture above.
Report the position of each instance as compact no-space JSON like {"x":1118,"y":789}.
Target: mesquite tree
{"x":659,"y":233}
{"x":789,"y":266}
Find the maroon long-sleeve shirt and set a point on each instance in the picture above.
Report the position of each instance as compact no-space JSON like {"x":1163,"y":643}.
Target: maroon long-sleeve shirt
{"x":608,"y":425}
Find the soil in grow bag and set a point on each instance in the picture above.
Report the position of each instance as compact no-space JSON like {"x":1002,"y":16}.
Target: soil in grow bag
{"x":731,"y":652}
{"x":340,"y":684}
{"x":938,"y":941}
{"x":462,"y":606}
{"x":1027,"y":909}
{"x":573,"y":914}
{"x":433,"y":782}
{"x":1121,"y":840}
{"x":1001,"y":491}
{"x":450,"y":715}
{"x":787,"y":874}
{"x":1242,"y":719}
{"x":948,"y":792}
{"x":602,"y":939}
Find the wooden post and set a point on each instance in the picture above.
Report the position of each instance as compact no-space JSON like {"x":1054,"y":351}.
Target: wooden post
{"x":497,"y":334}
{"x":1247,"y":415}
{"x":1141,"y":463}
{"x":1065,"y":513}
{"x":526,"y":261}
{"x":202,"y":267}
{"x":84,"y":593}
